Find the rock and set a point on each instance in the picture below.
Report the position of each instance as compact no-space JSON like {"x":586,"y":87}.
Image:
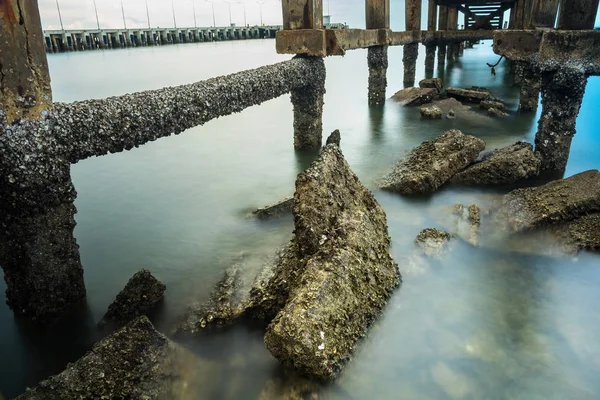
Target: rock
{"x":141,"y":293}
{"x":556,"y":202}
{"x":341,"y":275}
{"x":494,"y":112}
{"x":435,"y":83}
{"x":275,"y":210}
{"x":503,"y":166}
{"x":487,"y":104}
{"x":580,"y":234}
{"x":136,"y":362}
{"x":473,"y":95}
{"x":432,"y":242}
{"x":433,"y":163}
{"x":451,"y":114}
{"x":334,"y":138}
{"x":433,"y":112}
{"x":414,"y":96}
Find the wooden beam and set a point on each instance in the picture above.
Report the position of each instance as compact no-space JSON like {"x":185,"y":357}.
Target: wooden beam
{"x":302,"y":14}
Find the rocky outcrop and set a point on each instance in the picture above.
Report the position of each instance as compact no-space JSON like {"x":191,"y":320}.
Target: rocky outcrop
{"x":487,"y":104}
{"x":580,"y":234}
{"x":339,"y":267}
{"x":435,"y":83}
{"x":473,"y":95}
{"x":503,"y":166}
{"x":433,"y":163}
{"x":495,"y":112}
{"x":136,"y":362}
{"x":432,"y":242}
{"x":414,"y":96}
{"x":275,"y":210}
{"x":556,"y":202}
{"x":432,"y":112}
{"x":140,"y":295}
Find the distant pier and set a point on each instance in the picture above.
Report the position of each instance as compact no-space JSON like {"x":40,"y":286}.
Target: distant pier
{"x":93,"y":39}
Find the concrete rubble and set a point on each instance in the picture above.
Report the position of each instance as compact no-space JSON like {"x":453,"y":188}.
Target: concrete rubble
{"x":502,"y":166}
{"x":275,"y":210}
{"x":433,"y":112}
{"x":473,"y":95}
{"x":141,"y":293}
{"x":432,"y":242}
{"x":436,"y":83}
{"x":414,"y":96}
{"x":431,"y":164}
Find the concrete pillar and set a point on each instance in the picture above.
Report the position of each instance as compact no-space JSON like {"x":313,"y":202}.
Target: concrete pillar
{"x":302,"y":14}
{"x":442,"y":26}
{"x":577,"y":14}
{"x":38,"y":252}
{"x":519,"y":14}
{"x":308,"y":111}
{"x":530,"y":89}
{"x":431,"y":26}
{"x":377,"y":17}
{"x":544,"y":13}
{"x":562,"y":94}
{"x":411,"y":51}
{"x":452,"y":25}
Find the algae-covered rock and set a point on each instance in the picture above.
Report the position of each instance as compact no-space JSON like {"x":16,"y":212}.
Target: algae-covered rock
{"x":414,"y":96}
{"x":432,"y":112}
{"x":343,"y":273}
{"x":487,"y":104}
{"x":580,"y":234}
{"x":136,"y":362}
{"x":496,"y":112}
{"x":503,"y":166}
{"x":432,"y":242}
{"x":556,"y":202}
{"x":473,"y":95}
{"x":141,"y":293}
{"x":275,"y":210}
{"x":435,"y":83}
{"x":433,"y":163}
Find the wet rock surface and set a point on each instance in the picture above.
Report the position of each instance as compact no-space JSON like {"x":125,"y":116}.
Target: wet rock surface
{"x":432,"y":242}
{"x":435,"y":83}
{"x":580,"y":234}
{"x":414,"y":96}
{"x":503,"y":166}
{"x":432,"y":112}
{"x":141,"y":293}
{"x":342,"y":273}
{"x":473,"y":95}
{"x":275,"y":210}
{"x":433,"y":163}
{"x":556,"y":202}
{"x":136,"y":362}
{"x":487,"y":104}
{"x":497,"y":113}
{"x":377,"y":59}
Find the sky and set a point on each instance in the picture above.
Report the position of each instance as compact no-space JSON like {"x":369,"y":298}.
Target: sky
{"x":79,"y":14}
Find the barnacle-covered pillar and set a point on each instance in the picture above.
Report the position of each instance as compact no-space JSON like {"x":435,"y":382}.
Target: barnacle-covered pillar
{"x":531,"y":82}
{"x":411,"y":51}
{"x":377,"y":17}
{"x":430,"y":47}
{"x":38,"y":252}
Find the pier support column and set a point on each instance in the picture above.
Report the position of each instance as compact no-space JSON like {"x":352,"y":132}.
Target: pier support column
{"x":377,"y":14}
{"x":451,"y":26}
{"x":562,"y":94}
{"x":432,"y":15}
{"x":308,"y":110}
{"x":544,"y":13}
{"x":531,"y":83}
{"x":38,"y":252}
{"x":442,"y":46}
{"x":411,"y":51}
{"x":577,"y":14}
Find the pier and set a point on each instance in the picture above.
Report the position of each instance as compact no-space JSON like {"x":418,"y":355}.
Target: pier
{"x":95,"y":39}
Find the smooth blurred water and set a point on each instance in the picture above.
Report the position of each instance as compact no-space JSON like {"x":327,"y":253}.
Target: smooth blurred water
{"x":482,"y":324}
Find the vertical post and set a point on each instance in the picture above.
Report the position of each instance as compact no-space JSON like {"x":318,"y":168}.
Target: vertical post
{"x":442,"y":26}
{"x":577,"y":14}
{"x":38,"y":252}
{"x":377,"y":14}
{"x":432,"y":15}
{"x":307,"y":101}
{"x":544,"y":13}
{"x":452,"y":24}
{"x":531,"y":82}
{"x":411,"y":51}
{"x":528,"y":14}
{"x":519,"y":14}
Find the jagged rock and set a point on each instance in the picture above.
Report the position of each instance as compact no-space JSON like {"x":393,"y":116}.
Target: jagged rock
{"x":414,"y":96}
{"x":136,"y":362}
{"x":556,"y":202}
{"x":580,"y":234}
{"x":433,"y":112}
{"x":503,"y":166}
{"x":451,"y":114}
{"x":473,"y":95}
{"x":141,"y":293}
{"x":334,"y":138}
{"x":494,"y":112}
{"x":487,"y":104}
{"x":275,"y":210}
{"x":342,"y":273}
{"x":433,"y":163}
{"x":432,"y":242}
{"x":435,"y":83}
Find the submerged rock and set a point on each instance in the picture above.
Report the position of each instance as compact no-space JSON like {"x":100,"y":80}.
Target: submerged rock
{"x":580,"y":234}
{"x":275,"y":210}
{"x":432,"y":242}
{"x":503,"y":166}
{"x":487,"y":104}
{"x":341,"y":273}
{"x":435,"y":83}
{"x":433,"y":163}
{"x":432,"y":112}
{"x":414,"y":96}
{"x":495,"y":112}
{"x":141,"y":293}
{"x":136,"y":362}
{"x":556,"y":202}
{"x":473,"y":95}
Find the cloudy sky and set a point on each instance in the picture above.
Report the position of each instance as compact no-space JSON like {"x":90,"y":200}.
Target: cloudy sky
{"x":79,"y":14}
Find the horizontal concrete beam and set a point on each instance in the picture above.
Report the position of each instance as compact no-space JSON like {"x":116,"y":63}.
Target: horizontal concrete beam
{"x":550,"y":50}
{"x":335,"y":42}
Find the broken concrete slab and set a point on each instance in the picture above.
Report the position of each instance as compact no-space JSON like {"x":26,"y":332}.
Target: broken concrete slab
{"x":487,"y":104}
{"x":414,"y":96}
{"x":473,"y":95}
{"x":435,"y":83}
{"x":556,"y":202}
{"x":432,"y":242}
{"x":433,"y":163}
{"x":503,"y":166}
{"x":275,"y":210}
{"x":495,"y":112}
{"x":344,"y":273}
{"x":141,"y":293}
{"x":433,"y":112}
{"x":136,"y":362}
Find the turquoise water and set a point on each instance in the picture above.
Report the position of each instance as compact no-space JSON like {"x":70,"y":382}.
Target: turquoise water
{"x":482,"y":324}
